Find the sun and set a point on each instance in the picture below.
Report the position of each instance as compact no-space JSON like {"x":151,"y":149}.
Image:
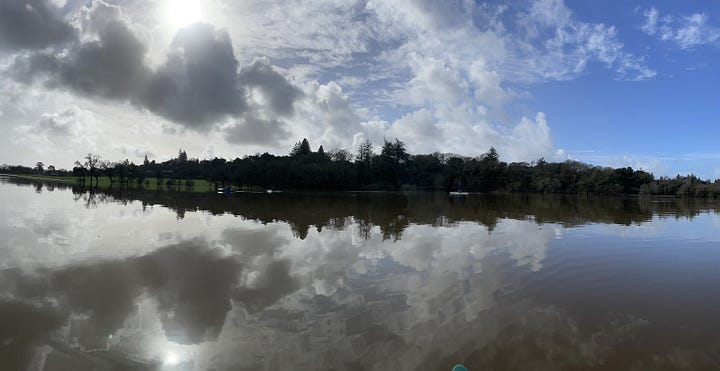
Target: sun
{"x":180,"y":13}
{"x":171,"y":359}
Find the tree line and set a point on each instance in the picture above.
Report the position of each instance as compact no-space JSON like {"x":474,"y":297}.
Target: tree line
{"x":392,"y":212}
{"x":391,"y":169}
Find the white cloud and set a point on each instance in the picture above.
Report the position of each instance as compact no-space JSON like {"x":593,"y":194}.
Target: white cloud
{"x":135,"y":151}
{"x":423,"y":132}
{"x":208,"y":153}
{"x":557,"y":46}
{"x":71,"y":127}
{"x":437,"y":75}
{"x":651,"y":21}
{"x":419,"y":130}
{"x":685,"y":32}
{"x":530,"y":139}
{"x":701,"y":164}
{"x":434,"y":81}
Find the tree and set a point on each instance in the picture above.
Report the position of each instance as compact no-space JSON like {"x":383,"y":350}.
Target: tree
{"x":158,"y":177}
{"x":301,"y":148}
{"x":487,"y":174}
{"x":391,"y":162}
{"x":364,"y":162}
{"x":340,"y":155}
{"x":492,"y":155}
{"x":91,"y":162}
{"x":79,"y":171}
{"x":395,"y":151}
{"x":391,"y":169}
{"x":106,"y":167}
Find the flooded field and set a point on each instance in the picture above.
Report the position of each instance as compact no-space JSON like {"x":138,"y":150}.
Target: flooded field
{"x":121,"y":280}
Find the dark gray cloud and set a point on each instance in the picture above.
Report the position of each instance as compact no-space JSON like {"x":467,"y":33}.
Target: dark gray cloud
{"x":272,"y":284}
{"x":274,"y":86}
{"x":252,"y":130}
{"x":110,"y":67}
{"x":32,"y":24}
{"x":274,"y":280}
{"x":192,"y":284}
{"x":27,"y":69}
{"x":250,"y":243}
{"x":198,"y":84}
{"x":96,"y":16}
{"x":22,"y":326}
{"x":58,"y":125}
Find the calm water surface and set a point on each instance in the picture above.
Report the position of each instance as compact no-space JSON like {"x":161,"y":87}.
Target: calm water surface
{"x":183,"y":281}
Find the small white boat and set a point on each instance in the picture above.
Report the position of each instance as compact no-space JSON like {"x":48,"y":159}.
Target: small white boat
{"x":458,"y":193}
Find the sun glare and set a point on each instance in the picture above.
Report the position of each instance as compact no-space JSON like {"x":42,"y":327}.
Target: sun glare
{"x":171,"y":359}
{"x":180,"y":13}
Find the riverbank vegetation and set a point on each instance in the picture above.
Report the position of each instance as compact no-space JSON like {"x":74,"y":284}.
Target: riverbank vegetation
{"x":391,"y":169}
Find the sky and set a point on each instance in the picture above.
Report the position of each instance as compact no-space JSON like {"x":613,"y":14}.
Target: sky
{"x":612,"y":83}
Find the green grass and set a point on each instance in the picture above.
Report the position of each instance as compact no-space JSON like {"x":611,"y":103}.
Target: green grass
{"x":198,"y":185}
{"x":50,"y":178}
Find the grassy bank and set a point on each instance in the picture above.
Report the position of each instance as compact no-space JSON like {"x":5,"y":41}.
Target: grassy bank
{"x":47,"y":178}
{"x":184,"y":185}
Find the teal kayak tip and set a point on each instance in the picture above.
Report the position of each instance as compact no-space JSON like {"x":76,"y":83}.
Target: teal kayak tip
{"x":459,"y":367}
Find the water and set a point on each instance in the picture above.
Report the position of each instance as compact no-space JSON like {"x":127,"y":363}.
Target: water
{"x":194,"y":281}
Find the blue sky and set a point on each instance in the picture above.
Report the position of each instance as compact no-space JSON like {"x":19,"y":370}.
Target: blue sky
{"x":613,"y":83}
{"x":669,"y":119}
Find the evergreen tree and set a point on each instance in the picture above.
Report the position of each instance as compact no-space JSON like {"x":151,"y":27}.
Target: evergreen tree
{"x":301,"y":148}
{"x":364,"y":162}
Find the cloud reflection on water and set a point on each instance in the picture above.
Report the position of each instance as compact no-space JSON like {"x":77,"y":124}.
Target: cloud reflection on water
{"x":308,"y":282}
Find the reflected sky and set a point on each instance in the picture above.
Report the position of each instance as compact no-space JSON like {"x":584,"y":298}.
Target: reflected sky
{"x":148,"y":280}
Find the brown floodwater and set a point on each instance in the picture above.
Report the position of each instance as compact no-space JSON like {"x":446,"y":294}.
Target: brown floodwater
{"x":146,"y":280}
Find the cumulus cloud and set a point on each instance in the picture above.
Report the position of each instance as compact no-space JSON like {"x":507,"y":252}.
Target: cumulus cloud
{"x":434,"y":81}
{"x":530,"y":139}
{"x":109,"y":66}
{"x":437,"y":75}
{"x":135,"y":151}
{"x":456,"y":59}
{"x":423,"y":132}
{"x":419,"y":129}
{"x":191,"y":283}
{"x":256,"y":131}
{"x":70,"y":126}
{"x":464,"y":86}
{"x":326,"y":114}
{"x":685,"y":32}
{"x":63,"y":124}
{"x":32,"y":24}
{"x":267,"y":287}
{"x":198,"y":85}
{"x":274,"y":87}
{"x":94,"y":19}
